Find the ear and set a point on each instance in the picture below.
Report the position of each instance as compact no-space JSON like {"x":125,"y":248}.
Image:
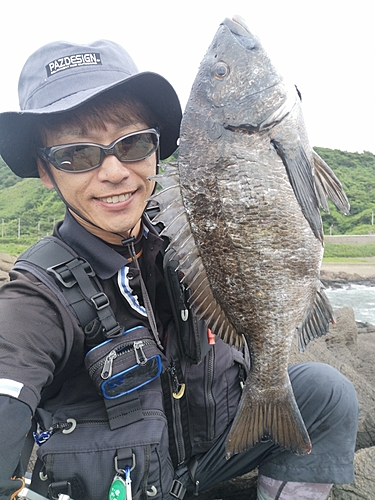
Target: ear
{"x":44,"y":177}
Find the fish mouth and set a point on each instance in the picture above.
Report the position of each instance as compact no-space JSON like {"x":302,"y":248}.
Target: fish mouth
{"x":238,"y":25}
{"x":238,"y":28}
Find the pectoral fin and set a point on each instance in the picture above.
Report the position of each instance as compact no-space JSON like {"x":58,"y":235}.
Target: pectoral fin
{"x":328,"y":186}
{"x":300,"y":173}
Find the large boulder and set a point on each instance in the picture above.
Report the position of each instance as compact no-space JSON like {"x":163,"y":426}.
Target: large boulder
{"x":364,"y":482}
{"x":352,"y":353}
{"x":6,"y":264}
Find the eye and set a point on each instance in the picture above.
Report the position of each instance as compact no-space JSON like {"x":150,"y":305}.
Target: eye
{"x":221,"y":70}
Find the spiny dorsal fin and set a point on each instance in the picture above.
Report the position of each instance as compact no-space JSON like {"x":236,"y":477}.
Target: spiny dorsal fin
{"x":177,"y":228}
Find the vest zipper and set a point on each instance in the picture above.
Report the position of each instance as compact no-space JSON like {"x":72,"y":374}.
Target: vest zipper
{"x":106,"y":364}
{"x":176,"y":409}
{"x":210,"y":398}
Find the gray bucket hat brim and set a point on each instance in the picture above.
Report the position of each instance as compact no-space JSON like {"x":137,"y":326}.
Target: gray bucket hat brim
{"x":64,"y":88}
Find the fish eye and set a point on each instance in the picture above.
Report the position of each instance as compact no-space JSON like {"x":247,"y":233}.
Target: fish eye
{"x":221,"y":70}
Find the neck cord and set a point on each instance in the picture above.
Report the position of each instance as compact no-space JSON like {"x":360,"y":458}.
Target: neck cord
{"x":129,"y":242}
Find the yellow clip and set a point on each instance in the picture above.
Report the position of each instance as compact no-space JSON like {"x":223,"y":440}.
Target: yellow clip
{"x":180,"y":393}
{"x":22,"y":479}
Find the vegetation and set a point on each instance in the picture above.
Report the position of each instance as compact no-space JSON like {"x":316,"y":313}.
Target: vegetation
{"x":335,"y":251}
{"x":29,"y":211}
{"x":356,"y":172}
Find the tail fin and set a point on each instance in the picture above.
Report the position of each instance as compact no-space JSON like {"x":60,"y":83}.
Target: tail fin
{"x":276,"y":417}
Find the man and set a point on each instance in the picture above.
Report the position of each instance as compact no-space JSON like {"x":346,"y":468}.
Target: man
{"x":94,"y":128}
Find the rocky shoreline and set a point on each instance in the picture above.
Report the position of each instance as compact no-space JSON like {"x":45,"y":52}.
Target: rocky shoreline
{"x":342,"y":279}
{"x":340,"y":274}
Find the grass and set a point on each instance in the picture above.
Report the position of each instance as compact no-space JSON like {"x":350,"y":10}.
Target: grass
{"x":343,"y":251}
{"x":13,"y":249}
{"x":347,"y":260}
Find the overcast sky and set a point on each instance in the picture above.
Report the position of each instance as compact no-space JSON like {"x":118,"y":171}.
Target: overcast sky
{"x":326,"y":47}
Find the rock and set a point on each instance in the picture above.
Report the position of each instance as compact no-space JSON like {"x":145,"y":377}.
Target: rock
{"x":6,"y":264}
{"x":341,"y":279}
{"x":364,"y":482}
{"x":342,"y":351}
{"x":3,"y":277}
{"x":365,"y":327}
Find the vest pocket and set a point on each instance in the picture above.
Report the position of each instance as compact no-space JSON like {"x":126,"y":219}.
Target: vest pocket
{"x":88,"y":453}
{"x":213,"y":392}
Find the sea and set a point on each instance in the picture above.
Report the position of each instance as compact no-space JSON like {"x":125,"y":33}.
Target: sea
{"x":361,"y":298}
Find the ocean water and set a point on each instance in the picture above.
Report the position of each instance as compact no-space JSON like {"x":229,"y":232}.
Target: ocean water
{"x":361,"y":298}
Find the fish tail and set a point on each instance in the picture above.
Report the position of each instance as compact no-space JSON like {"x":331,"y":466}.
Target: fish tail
{"x":260,"y":417}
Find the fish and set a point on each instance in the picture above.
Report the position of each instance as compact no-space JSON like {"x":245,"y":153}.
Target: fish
{"x":241,"y":209}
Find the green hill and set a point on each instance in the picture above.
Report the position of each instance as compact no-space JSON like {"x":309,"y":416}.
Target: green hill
{"x":356,"y":172}
{"x":28,"y":210}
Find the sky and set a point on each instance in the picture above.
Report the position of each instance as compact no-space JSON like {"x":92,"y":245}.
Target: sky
{"x":325,"y":47}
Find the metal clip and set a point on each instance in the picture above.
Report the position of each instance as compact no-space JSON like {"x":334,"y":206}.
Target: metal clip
{"x":184,"y":314}
{"x":122,"y":471}
{"x":108,"y":363}
{"x":138,"y":344}
{"x":180,"y":393}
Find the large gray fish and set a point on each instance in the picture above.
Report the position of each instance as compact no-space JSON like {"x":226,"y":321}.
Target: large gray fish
{"x":242,"y":213}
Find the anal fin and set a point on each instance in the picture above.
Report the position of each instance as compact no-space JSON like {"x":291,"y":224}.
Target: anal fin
{"x":316,"y":324}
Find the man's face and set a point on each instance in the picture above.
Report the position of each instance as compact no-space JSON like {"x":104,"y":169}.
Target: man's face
{"x":112,"y":196}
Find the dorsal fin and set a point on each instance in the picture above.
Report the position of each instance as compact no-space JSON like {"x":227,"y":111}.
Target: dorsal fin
{"x":177,"y":228}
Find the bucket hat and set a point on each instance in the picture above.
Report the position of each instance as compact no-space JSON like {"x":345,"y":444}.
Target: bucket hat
{"x":61,"y":76}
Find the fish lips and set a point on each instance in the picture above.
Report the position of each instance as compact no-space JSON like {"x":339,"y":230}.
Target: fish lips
{"x":241,"y":32}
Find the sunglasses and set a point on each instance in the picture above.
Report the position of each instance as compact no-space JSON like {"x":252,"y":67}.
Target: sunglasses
{"x":83,"y":156}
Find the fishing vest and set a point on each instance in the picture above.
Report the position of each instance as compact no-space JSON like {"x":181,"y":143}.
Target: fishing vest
{"x":73,"y":280}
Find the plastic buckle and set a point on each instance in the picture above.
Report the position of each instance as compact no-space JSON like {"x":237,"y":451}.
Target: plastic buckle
{"x":114,"y":332}
{"x":62,"y":274}
{"x":178,"y":490}
{"x":56,"y":490}
{"x":100,"y":301}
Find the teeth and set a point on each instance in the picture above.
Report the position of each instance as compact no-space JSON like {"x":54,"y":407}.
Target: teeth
{"x":117,"y":199}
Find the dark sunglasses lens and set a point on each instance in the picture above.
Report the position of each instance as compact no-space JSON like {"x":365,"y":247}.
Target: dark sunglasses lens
{"x":136,"y":147}
{"x":77,"y":158}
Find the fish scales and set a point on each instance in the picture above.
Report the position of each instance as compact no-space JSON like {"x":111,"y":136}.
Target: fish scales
{"x":249,"y":188}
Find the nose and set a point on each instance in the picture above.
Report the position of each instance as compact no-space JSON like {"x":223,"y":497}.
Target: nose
{"x":113,"y":170}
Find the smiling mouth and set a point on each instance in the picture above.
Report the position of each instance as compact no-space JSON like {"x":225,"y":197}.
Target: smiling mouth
{"x":117,"y":199}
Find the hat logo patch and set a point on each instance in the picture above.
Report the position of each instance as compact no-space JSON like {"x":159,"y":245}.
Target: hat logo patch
{"x":73,"y":61}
